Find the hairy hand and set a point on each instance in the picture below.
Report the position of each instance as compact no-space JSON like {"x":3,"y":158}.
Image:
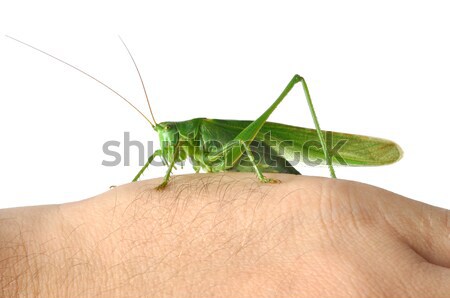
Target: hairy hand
{"x":228,"y":235}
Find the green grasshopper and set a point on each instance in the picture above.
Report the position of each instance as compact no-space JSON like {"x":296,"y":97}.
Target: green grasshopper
{"x":255,"y":146}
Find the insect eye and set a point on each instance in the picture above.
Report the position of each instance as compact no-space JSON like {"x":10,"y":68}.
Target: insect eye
{"x":167,"y":127}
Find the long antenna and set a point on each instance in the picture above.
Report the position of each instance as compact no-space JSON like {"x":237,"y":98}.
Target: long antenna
{"x":140,"y":77}
{"x":86,"y":74}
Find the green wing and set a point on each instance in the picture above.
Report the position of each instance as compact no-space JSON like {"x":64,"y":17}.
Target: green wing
{"x":302,"y":144}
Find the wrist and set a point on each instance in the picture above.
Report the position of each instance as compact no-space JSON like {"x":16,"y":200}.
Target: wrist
{"x":31,"y":250}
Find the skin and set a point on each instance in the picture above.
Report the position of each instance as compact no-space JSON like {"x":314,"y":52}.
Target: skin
{"x":228,"y":235}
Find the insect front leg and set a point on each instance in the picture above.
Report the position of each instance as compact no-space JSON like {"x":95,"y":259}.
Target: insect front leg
{"x":149,"y":161}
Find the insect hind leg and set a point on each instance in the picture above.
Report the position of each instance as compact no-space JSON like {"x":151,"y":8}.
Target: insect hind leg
{"x":316,"y":124}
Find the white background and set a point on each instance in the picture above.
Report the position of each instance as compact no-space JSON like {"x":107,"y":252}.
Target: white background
{"x":377,"y":68}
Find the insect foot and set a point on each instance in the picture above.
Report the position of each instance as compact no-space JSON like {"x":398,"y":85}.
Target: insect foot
{"x":161,"y":186}
{"x":270,"y":180}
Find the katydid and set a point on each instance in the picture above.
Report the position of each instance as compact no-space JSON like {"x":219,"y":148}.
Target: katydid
{"x":258,"y":146}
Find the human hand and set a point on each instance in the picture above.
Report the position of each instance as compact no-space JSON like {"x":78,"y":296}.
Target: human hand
{"x":228,"y":235}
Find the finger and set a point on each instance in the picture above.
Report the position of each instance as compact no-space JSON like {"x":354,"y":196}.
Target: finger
{"x":431,"y":280}
{"x":425,"y":228}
